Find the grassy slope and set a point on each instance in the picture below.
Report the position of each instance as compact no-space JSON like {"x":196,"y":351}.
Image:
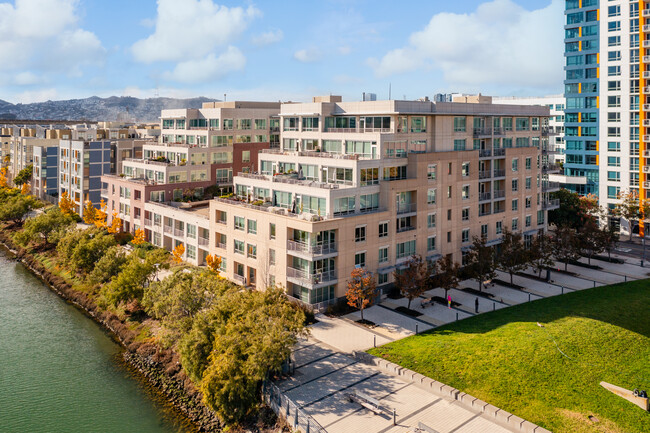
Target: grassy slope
{"x":504,"y":358}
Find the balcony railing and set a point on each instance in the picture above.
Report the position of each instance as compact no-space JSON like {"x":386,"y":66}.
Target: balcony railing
{"x":240,"y":279}
{"x":311,"y":249}
{"x":147,"y":222}
{"x":484,"y":196}
{"x":406,"y":208}
{"x":549,"y":130}
{"x":549,"y":148}
{"x":478,"y":132}
{"x":499,"y":151}
{"x":405,"y":229}
{"x":484,"y":174}
{"x":484,"y":212}
{"x":104,"y":192}
{"x":499,"y":173}
{"x":168,"y":229}
{"x":646,"y":153}
{"x":484,"y":153}
{"x":550,"y":186}
{"x":221,"y":245}
{"x":204,"y":242}
{"x":499,"y":193}
{"x":551,"y":204}
{"x":309,"y":278}
{"x":551,"y":167}
{"x":179,"y":232}
{"x":499,"y":210}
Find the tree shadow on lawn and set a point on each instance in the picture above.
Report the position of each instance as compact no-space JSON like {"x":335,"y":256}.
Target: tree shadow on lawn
{"x":625,"y":305}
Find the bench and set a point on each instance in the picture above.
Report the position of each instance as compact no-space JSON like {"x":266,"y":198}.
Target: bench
{"x":369,"y":403}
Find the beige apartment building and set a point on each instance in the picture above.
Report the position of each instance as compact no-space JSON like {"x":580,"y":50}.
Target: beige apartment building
{"x":369,"y":184}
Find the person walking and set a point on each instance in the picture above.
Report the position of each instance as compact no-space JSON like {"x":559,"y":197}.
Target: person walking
{"x":449,"y":301}
{"x":476,"y":306}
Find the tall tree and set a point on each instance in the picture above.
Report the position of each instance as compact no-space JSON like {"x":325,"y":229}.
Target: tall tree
{"x":16,"y":207}
{"x":90,"y":213}
{"x":116,"y":224}
{"x":138,"y":238}
{"x":4,"y":180}
{"x":629,"y":208}
{"x":101,"y":215}
{"x":66,"y":204}
{"x":610,"y":239}
{"x":413,"y":280}
{"x":177,"y":253}
{"x":513,"y":255}
{"x":43,"y":226}
{"x":540,"y":253}
{"x":566,"y":246}
{"x":591,"y":239}
{"x":214,"y":263}
{"x":446,"y":274}
{"x":24,"y":176}
{"x":361,"y":289}
{"x":481,"y":261}
{"x":25,"y":189}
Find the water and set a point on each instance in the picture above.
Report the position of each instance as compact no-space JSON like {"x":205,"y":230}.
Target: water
{"x":59,"y":372}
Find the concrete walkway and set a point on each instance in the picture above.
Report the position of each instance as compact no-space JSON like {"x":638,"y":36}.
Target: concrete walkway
{"x":324,"y":377}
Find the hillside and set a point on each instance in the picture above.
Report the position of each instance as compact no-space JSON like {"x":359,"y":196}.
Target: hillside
{"x":95,"y":108}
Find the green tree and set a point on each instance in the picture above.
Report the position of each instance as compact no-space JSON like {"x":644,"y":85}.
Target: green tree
{"x":14,"y":208}
{"x":574,"y":209}
{"x":254,"y":334}
{"x":513,"y":255}
{"x":481,"y":261}
{"x":610,"y":239}
{"x":45,"y":227}
{"x":414,"y":279}
{"x":129,"y":284}
{"x":82,"y":249}
{"x":540,"y":253}
{"x":591,"y":239}
{"x":177,"y":299}
{"x":109,"y":265}
{"x":24,"y":175}
{"x":566,"y":246}
{"x":630,"y":208}
{"x":446,"y":274}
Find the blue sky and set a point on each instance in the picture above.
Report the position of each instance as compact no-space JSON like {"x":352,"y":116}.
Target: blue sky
{"x":271,"y":50}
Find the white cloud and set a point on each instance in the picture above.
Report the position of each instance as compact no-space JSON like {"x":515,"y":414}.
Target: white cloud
{"x":26,"y":78}
{"x":41,"y":95}
{"x":500,"y":43}
{"x":267,"y":38}
{"x":307,"y":55}
{"x":43,"y":35}
{"x":192,"y":29}
{"x":209,"y":68}
{"x":345,"y":50}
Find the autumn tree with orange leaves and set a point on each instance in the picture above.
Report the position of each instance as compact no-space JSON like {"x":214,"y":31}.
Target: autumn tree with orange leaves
{"x":177,"y":254}
{"x":138,"y":238}
{"x":66,"y":204}
{"x":89,"y":213}
{"x":116,"y":224}
{"x":101,"y":215}
{"x":25,"y":189}
{"x":361,"y":289}
{"x":213,"y":262}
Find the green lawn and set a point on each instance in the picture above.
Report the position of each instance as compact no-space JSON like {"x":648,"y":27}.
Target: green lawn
{"x":504,"y":358}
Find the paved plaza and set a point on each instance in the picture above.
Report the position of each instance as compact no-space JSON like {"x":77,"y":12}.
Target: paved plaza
{"x":325,"y":371}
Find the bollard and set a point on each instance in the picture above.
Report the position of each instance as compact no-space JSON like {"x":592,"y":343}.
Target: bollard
{"x":563,"y":290}
{"x":307,"y":431}
{"x":529,"y":297}
{"x":295,"y":421}
{"x":594,"y":284}
{"x":394,"y":417}
{"x":626,"y":278}
{"x":494,"y":306}
{"x":288,"y":410}
{"x":374,"y":341}
{"x":416,"y":329}
{"x":456,"y":316}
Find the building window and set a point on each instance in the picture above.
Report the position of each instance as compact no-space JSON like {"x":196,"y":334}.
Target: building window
{"x":499,"y":227}
{"x":383,"y":255}
{"x":431,"y":220}
{"x":431,"y":196}
{"x":360,"y":234}
{"x":431,"y":243}
{"x":252,"y":226}
{"x":528,"y":163}
{"x":613,"y":176}
{"x":464,"y":238}
{"x":613,"y":191}
{"x":515,"y":224}
{"x":465,"y":192}
{"x":449,"y":191}
{"x":528,"y":220}
{"x":484,"y":230}
{"x":239,"y":247}
{"x":515,"y":204}
{"x":271,"y":257}
{"x":405,"y":249}
{"x":246,"y":156}
{"x":448,"y":237}
{"x":272,"y":230}
{"x":432,"y":171}
{"x":460,"y":124}
{"x":239,"y":223}
{"x":252,"y":251}
{"x":382,"y":278}
{"x":465,"y":169}
{"x":528,"y":183}
{"x":465,"y":214}
{"x":515,"y":185}
{"x":613,"y":161}
{"x":360,"y":259}
{"x":515,"y":164}
{"x":528,"y":202}
{"x":191,"y":252}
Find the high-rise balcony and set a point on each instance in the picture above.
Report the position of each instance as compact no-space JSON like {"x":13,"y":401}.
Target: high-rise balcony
{"x":147,"y":222}
{"x":204,"y":242}
{"x":646,"y":74}
{"x":312,"y":250}
{"x":646,"y":153}
{"x":551,"y":204}
{"x":482,"y":132}
{"x":403,"y":208}
{"x":550,"y":186}
{"x":305,"y":277}
{"x":551,"y":168}
{"x":549,"y":130}
{"x":645,"y":13}
{"x":484,"y":196}
{"x":499,"y":173}
{"x":646,"y":107}
{"x":484,"y":174}
{"x":646,"y":138}
{"x":646,"y":123}
{"x":501,"y":151}
{"x":484,"y":153}
{"x":646,"y":90}
{"x":499,"y":193}
{"x":646,"y":28}
{"x":646,"y":185}
{"x":646,"y":43}
{"x":646,"y":169}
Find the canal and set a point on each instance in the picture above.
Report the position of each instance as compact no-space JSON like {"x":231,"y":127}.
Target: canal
{"x":59,"y":372}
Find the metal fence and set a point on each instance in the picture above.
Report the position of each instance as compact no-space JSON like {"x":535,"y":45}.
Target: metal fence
{"x":287,"y":409}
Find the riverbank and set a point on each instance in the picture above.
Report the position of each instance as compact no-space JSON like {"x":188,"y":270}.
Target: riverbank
{"x":160,"y":367}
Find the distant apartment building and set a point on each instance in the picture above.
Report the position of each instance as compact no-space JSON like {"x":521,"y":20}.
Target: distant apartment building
{"x":81,"y":166}
{"x":45,"y":175}
{"x":198,"y":148}
{"x":369,"y":184}
{"x":607,"y":52}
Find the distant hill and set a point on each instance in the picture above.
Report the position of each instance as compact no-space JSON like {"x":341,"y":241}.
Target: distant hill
{"x":96,"y":108}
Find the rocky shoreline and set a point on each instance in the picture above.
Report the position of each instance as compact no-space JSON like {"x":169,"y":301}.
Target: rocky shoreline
{"x":160,"y":367}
